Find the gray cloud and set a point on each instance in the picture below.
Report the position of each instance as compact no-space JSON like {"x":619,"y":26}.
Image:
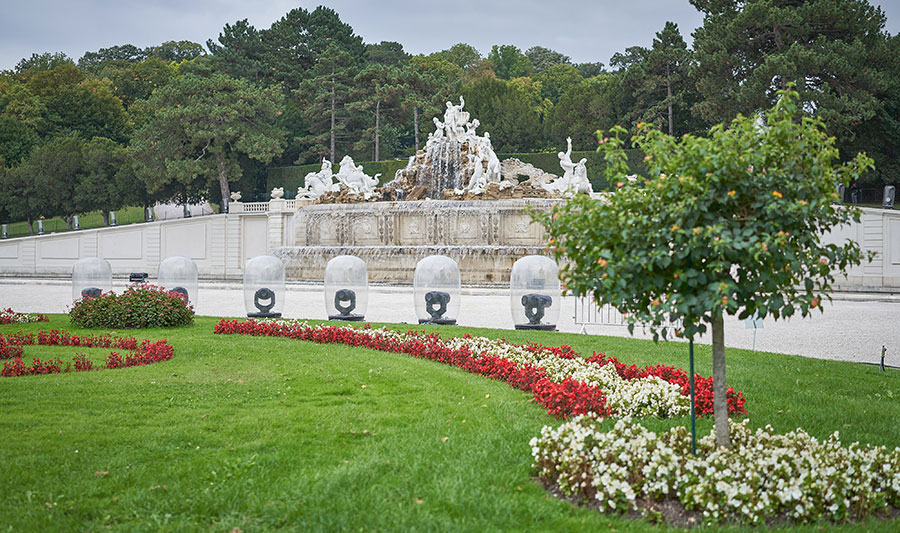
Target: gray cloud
{"x":585,"y":30}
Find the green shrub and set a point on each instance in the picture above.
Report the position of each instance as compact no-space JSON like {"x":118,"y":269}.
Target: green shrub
{"x":142,"y":306}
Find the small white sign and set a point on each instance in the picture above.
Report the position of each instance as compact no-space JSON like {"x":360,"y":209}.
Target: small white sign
{"x":754,"y":322}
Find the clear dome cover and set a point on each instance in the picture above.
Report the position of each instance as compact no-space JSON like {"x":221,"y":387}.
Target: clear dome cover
{"x":264,"y":287}
{"x":91,"y":277}
{"x":346,"y":288}
{"x":436,"y":290}
{"x":179,"y":274}
{"x":534,"y":293}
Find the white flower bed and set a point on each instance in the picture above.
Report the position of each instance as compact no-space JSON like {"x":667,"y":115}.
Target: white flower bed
{"x":650,"y":396}
{"x":8,"y":316}
{"x":762,"y":475}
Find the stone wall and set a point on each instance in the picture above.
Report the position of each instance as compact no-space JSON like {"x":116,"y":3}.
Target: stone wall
{"x":485,"y":238}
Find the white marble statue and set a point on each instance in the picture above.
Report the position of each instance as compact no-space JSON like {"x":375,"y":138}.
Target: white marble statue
{"x":493,"y":165}
{"x":277,"y":193}
{"x":353,"y":177}
{"x":315,"y":184}
{"x":478,"y":182}
{"x":574,"y":179}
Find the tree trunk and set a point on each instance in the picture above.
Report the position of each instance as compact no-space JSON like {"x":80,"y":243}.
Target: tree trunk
{"x":416,"y":125}
{"x":223,"y":183}
{"x":30,"y":226}
{"x":720,"y":403}
{"x":105,"y":214}
{"x":669,"y":101}
{"x":333,"y":159}
{"x":68,"y":220}
{"x":377,"y":127}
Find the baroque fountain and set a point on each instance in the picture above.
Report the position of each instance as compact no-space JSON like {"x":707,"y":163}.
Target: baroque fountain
{"x":454,"y":198}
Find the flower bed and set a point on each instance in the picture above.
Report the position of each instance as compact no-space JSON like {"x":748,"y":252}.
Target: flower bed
{"x":564,"y":383}
{"x":143,"y":353}
{"x":8,"y":316}
{"x":140,"y":306}
{"x":763,"y":476}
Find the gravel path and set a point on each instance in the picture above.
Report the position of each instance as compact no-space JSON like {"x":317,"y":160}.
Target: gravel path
{"x":853,"y":327}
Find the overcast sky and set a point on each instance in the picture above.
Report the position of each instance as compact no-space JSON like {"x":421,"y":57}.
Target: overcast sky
{"x":585,"y":30}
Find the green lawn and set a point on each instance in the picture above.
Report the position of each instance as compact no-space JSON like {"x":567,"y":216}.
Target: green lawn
{"x":128,"y":215}
{"x":271,"y":433}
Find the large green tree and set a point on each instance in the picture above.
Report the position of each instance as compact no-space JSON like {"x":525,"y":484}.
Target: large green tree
{"x":747,"y":50}
{"x":323,"y":97}
{"x":506,"y":109}
{"x":544,"y":58}
{"x":725,"y":224}
{"x":510,"y":62}
{"x":197,"y":127}
{"x":664,"y":90}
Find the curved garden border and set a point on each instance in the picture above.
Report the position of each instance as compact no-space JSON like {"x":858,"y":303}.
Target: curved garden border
{"x":144,"y":353}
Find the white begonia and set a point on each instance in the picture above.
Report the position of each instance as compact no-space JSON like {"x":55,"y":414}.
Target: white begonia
{"x":762,"y":475}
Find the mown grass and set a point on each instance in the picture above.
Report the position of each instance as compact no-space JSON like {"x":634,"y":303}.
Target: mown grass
{"x":94,"y":219}
{"x":270,"y":433}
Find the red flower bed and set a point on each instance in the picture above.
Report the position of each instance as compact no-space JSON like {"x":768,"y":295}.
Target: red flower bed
{"x":145,"y":353}
{"x":703,"y":387}
{"x":564,"y":399}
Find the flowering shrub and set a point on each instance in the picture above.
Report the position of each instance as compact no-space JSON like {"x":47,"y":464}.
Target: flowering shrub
{"x":140,"y":306}
{"x":560,"y":380}
{"x":763,"y":475}
{"x":145,"y":353}
{"x":9,"y":350}
{"x":8,"y":316}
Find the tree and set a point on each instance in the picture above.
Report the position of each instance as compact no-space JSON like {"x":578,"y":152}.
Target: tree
{"x":601,"y":102}
{"x":428,"y":82}
{"x":506,"y":109}
{"x":323,"y":97}
{"x":45,"y":61}
{"x":73,"y":102}
{"x":105,"y":181}
{"x":239,"y":52}
{"x":665,"y":86}
{"x":378,"y":87}
{"x":747,"y":50}
{"x":730,"y":224}
{"x":196,"y":129}
{"x":589,"y":70}
{"x":136,"y":81}
{"x":294,"y":44}
{"x":118,"y":56}
{"x":510,"y":62}
{"x":387,"y":53}
{"x":49,"y":176}
{"x":558,"y":79}
{"x":544,"y":58}
{"x":177,"y":51}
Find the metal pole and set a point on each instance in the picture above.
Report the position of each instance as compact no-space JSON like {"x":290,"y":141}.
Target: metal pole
{"x":693,"y":405}
{"x":883,"y":349}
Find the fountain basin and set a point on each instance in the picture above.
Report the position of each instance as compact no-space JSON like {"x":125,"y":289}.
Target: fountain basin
{"x":484,"y":237}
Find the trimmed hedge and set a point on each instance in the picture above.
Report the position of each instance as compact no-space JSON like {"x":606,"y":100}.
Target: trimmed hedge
{"x":292,"y":177}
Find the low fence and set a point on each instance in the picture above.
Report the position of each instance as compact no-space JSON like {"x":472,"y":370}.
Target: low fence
{"x":587,"y":313}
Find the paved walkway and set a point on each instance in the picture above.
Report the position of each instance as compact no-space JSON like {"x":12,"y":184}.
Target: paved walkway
{"x":853,"y":327}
